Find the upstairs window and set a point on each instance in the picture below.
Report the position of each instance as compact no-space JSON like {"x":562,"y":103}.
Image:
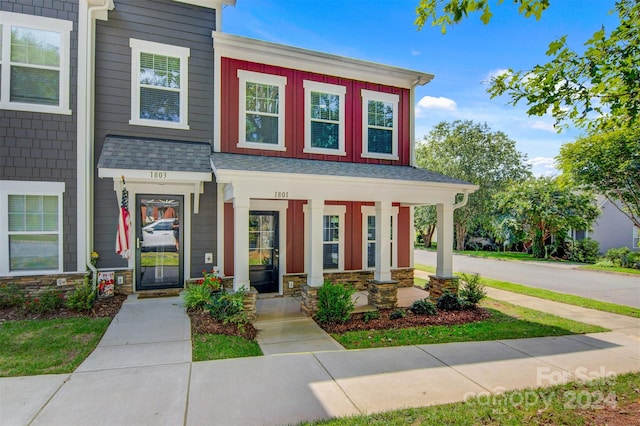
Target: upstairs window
{"x":324,"y":118}
{"x":380,"y":125}
{"x":261,"y":114}
{"x":34,"y":63}
{"x":159,"y":84}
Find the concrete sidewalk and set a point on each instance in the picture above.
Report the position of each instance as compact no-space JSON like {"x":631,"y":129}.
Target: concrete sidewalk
{"x":155,"y":383}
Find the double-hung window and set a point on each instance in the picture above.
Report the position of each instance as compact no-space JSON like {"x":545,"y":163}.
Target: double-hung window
{"x":34,"y":63}
{"x":159,"y":84}
{"x":380,"y":125}
{"x":324,"y":118}
{"x":333,"y":238}
{"x":31,"y":232}
{"x":636,"y":237}
{"x":261,"y":113}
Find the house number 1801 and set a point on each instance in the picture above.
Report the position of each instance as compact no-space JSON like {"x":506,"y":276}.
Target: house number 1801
{"x":281,"y":194}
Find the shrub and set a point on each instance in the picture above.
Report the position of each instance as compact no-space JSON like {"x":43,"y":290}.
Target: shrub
{"x":423,"y":307}
{"x":449,"y":302}
{"x":334,"y":303}
{"x":586,"y":250}
{"x":46,"y":301}
{"x":196,"y":296}
{"x":622,"y":257}
{"x":82,"y":298}
{"x":371,"y":315}
{"x":228,"y":308}
{"x":397,"y":314}
{"x":472,"y":290}
{"x":11,"y":296}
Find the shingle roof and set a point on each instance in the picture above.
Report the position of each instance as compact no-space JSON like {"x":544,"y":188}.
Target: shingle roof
{"x":226,"y":161}
{"x":120,"y":152}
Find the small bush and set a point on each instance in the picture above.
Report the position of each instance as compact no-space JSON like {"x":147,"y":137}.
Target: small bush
{"x":449,"y":302}
{"x":46,"y":301}
{"x":334,"y":303}
{"x":397,"y":314}
{"x":623,"y":257}
{"x":197,"y":296}
{"x":11,"y":296}
{"x":371,"y":315}
{"x":82,"y":298}
{"x":228,"y":308}
{"x":586,"y":250}
{"x":423,"y":307}
{"x":472,"y":290}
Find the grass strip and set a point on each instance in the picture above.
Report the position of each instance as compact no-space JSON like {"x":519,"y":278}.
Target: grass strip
{"x":507,"y":321}
{"x":217,"y":346}
{"x":597,"y":267}
{"x":569,"y":299}
{"x":575,"y":403}
{"x":55,"y":346}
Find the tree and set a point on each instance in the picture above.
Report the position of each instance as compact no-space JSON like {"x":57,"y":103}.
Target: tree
{"x":471,"y":152}
{"x":542,"y":207}
{"x":598,"y":89}
{"x":607,"y":163}
{"x":425,"y":219}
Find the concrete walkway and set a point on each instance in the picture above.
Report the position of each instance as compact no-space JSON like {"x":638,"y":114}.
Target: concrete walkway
{"x":149,"y":380}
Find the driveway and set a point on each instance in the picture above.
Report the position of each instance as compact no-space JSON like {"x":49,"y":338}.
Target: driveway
{"x":560,"y":277}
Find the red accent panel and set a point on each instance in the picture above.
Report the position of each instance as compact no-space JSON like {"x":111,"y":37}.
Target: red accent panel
{"x":228,"y":238}
{"x":404,"y":237}
{"x":295,"y":237}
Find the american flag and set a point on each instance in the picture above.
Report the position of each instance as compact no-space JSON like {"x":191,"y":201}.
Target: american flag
{"x":124,"y":222}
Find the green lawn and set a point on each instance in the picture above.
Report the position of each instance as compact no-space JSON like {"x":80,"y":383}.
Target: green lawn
{"x":48,"y":346}
{"x":507,"y":321}
{"x":569,"y":404}
{"x":569,"y":299}
{"x":216,"y":346}
{"x":612,"y":269}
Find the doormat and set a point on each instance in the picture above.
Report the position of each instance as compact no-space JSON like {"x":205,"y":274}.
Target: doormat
{"x":149,"y":294}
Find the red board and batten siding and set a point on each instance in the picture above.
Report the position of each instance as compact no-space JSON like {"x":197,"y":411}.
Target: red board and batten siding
{"x":295,"y":236}
{"x":294,"y":113}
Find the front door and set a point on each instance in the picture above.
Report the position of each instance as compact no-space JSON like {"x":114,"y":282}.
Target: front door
{"x":159,"y":242}
{"x":263,"y":251}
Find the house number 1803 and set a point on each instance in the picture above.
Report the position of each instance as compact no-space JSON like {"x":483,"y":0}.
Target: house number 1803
{"x":158,"y":175}
{"x":281,"y":194}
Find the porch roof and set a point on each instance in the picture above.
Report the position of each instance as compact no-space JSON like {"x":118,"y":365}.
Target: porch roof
{"x":256,"y":163}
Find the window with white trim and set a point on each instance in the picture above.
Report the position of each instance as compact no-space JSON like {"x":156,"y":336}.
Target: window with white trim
{"x":31,"y":232}
{"x":333,"y":238}
{"x":369,"y":237}
{"x":324,"y":118}
{"x":159,"y":84}
{"x":379,"y":125}
{"x":262,"y":107}
{"x":34,"y":63}
{"x":636,"y":237}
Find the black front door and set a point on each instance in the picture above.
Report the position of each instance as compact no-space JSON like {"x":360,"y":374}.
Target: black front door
{"x":263,"y":251}
{"x":159,"y":242}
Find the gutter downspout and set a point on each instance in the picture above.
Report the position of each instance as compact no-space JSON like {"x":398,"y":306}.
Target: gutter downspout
{"x":463,"y":202}
{"x":89,"y":11}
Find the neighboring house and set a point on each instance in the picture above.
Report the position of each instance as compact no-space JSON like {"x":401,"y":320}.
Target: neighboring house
{"x":612,"y":229}
{"x":280,"y":166}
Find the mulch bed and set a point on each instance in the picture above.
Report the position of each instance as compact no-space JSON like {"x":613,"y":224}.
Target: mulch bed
{"x":357,"y":321}
{"x":202,"y":323}
{"x":103,"y":308}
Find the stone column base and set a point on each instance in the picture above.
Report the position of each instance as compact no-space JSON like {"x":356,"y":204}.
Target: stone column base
{"x":440,"y":285}
{"x":250,"y":299}
{"x":383,"y":294}
{"x":309,"y":300}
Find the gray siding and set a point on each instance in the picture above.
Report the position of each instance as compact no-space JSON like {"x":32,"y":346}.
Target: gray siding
{"x":612,"y":229}
{"x":160,"y":21}
{"x":204,"y":231}
{"x":42,"y":147}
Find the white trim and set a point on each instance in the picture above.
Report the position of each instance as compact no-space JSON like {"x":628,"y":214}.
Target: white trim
{"x":368,"y":211}
{"x":182,"y":53}
{"x":220,"y":227}
{"x":281,"y":207}
{"x":340,"y":211}
{"x":247,"y":49}
{"x":62,"y":27}
{"x":10,"y":187}
{"x":245,"y":77}
{"x":369,"y":95}
{"x":332,"y":89}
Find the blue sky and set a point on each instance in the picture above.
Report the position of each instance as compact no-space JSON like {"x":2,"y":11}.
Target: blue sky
{"x":466,"y":56}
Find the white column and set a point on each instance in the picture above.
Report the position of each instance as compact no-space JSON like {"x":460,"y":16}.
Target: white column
{"x":241,"y":245}
{"x":412,"y":236}
{"x":383,"y":241}
{"x":315,"y":211}
{"x":444,"y":264}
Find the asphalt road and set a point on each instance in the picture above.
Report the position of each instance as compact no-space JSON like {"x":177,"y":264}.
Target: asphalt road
{"x":563,"y":278}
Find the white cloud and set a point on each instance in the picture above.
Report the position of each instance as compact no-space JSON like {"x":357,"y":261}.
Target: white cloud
{"x":495,"y":73}
{"x":543,"y":166}
{"x":439,"y":103}
{"x":543,"y":125}
{"x":415,"y":52}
